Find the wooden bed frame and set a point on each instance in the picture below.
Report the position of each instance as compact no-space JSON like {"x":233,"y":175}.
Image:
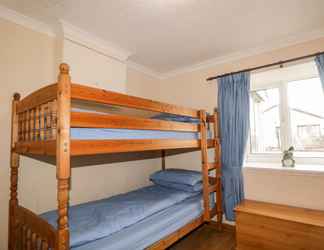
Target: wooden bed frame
{"x":41,"y":125}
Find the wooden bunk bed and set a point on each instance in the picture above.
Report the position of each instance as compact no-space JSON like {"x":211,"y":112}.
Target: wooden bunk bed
{"x":41,"y":125}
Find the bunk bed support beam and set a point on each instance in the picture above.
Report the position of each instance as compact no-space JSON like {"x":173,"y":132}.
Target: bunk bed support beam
{"x":63,"y":168}
{"x":14,"y":165}
{"x":218,"y":160}
{"x":204,"y":163}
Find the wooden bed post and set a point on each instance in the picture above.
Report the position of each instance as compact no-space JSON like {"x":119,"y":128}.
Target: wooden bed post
{"x":163,"y":159}
{"x":14,"y":165}
{"x":63,"y":171}
{"x":204,"y":163}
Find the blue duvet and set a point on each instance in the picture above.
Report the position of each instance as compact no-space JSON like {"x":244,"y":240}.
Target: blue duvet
{"x":98,"y":219}
{"x":144,"y":233}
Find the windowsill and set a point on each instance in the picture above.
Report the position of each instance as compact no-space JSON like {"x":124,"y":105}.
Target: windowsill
{"x":299,"y":169}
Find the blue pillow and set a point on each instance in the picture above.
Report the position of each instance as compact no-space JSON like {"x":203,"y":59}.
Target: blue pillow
{"x":178,"y":176}
{"x":176,"y":118}
{"x":187,"y":188}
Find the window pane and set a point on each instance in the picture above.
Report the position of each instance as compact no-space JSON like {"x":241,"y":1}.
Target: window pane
{"x":265,"y":121}
{"x":306,"y":107}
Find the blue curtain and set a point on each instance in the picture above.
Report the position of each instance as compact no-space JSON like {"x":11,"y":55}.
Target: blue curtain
{"x":319,"y":59}
{"x":234,"y":107}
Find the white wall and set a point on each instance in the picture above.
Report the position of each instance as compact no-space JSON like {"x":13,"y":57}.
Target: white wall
{"x":92,"y":68}
{"x":285,"y":187}
{"x":26,"y":63}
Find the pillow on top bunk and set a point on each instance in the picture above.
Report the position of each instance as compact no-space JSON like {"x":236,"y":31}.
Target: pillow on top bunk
{"x":186,"y":180}
{"x":175,"y":118}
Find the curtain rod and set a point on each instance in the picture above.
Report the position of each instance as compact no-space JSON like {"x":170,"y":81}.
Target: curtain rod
{"x":265,"y":66}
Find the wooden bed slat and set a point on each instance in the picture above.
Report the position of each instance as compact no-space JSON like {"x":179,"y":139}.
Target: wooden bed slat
{"x":37,"y":98}
{"x":91,"y":147}
{"x":93,"y":120}
{"x":81,"y":92}
{"x":213,"y":165}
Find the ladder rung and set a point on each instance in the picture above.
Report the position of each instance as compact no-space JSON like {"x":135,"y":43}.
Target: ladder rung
{"x":212,"y":188}
{"x":210,"y":118}
{"x":213,"y":165}
{"x":212,"y":143}
{"x":212,"y":180}
{"x":212,"y":184}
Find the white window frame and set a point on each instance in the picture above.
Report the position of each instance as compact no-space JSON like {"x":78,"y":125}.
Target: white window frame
{"x":285,"y":132}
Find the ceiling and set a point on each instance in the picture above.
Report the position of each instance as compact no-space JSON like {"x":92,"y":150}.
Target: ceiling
{"x":166,"y":35}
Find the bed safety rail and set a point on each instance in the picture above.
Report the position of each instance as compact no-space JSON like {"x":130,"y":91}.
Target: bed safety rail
{"x":32,"y":232}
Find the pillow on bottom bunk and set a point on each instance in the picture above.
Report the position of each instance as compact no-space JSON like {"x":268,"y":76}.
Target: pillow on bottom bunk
{"x":181,"y":179}
{"x":183,"y":187}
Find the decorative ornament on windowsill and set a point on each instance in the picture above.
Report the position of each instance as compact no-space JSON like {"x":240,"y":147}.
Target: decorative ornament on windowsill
{"x":288,"y":158}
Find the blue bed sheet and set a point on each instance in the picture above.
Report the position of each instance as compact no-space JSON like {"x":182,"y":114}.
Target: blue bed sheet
{"x":153,"y":228}
{"x":98,"y":219}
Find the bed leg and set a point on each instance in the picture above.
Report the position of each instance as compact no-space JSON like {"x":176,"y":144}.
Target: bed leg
{"x":219,"y":212}
{"x":220,"y":221}
{"x":63,"y":168}
{"x":63,"y":236}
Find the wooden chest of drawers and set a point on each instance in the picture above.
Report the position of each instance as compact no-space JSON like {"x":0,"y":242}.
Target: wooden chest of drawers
{"x":266,"y":226}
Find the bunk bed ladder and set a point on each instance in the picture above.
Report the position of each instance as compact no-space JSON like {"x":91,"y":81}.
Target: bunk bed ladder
{"x":211,"y":183}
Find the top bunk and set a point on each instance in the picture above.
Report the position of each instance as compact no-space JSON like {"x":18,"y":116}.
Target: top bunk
{"x":90,"y":121}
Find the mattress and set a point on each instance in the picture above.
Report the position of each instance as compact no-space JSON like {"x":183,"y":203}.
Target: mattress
{"x":117,"y":134}
{"x":151,"y":229}
{"x":97,"y":219}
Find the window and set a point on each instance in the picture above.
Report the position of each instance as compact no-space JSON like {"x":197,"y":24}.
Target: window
{"x":287,"y":109}
{"x":306,"y":107}
{"x":265,"y":121}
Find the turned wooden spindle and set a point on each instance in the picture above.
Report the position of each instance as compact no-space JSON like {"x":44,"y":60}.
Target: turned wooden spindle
{"x":42,"y":122}
{"x":54,"y":119}
{"x":63,"y":155}
{"x":14,"y":165}
{"x":37,"y":123}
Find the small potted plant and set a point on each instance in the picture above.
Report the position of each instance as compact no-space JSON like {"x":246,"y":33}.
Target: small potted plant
{"x":288,"y":158}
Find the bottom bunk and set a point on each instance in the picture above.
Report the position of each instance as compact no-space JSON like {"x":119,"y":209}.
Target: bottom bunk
{"x":138,"y":219}
{"x":152,"y":229}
